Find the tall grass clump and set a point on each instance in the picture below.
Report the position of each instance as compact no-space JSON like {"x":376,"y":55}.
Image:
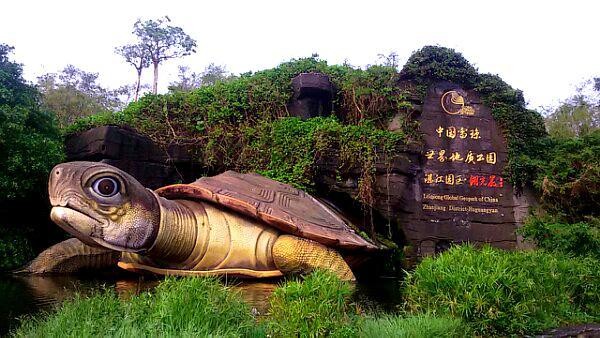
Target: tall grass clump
{"x":505,"y":293}
{"x":177,"y":307}
{"x":421,"y":326}
{"x":318,"y":306}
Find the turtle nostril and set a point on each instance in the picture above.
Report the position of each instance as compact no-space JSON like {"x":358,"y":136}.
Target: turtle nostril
{"x":57,"y":172}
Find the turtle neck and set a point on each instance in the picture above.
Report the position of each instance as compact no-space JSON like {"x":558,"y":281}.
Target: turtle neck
{"x":177,"y":232}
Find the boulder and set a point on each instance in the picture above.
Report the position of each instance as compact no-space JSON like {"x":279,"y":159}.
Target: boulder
{"x":313,"y":93}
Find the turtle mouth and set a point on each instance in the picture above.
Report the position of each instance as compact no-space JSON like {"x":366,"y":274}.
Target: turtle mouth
{"x":86,"y":228}
{"x":78,"y":224}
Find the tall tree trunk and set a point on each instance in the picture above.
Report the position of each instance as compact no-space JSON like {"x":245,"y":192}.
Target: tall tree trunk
{"x":155,"y":84}
{"x":137,"y":86}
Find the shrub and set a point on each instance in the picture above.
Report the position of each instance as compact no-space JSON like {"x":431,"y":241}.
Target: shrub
{"x":504,"y":293}
{"x":317,"y":306}
{"x":570,"y":177}
{"x":575,"y":239}
{"x":422,"y":326}
{"x":177,"y":307}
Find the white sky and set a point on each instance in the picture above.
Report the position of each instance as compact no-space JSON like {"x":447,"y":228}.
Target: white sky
{"x":544,"y":48}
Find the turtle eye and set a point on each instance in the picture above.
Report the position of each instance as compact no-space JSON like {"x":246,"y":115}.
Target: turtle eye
{"x":106,"y":186}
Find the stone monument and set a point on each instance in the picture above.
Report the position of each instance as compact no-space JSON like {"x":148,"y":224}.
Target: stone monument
{"x":460,"y":193}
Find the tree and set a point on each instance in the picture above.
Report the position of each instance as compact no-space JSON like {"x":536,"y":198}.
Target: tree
{"x":29,"y":140}
{"x":577,"y":116}
{"x":74,"y":93}
{"x":138,"y":57}
{"x":213,"y":74}
{"x":188,"y":80}
{"x":390,"y":60}
{"x":162,"y":42}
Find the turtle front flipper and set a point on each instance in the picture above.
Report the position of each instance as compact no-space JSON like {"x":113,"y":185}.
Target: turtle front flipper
{"x":69,"y":256}
{"x":293,"y":254}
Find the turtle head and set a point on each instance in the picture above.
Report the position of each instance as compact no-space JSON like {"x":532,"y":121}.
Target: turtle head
{"x":102,"y":205}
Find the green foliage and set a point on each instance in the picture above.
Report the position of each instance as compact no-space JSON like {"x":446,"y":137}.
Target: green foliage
{"x":15,"y":249}
{"x":363,"y":95}
{"x":574,"y":119}
{"x":177,"y":307}
{"x":317,"y":306}
{"x":73,"y":93}
{"x":505,"y":293}
{"x":435,"y":63}
{"x":29,"y":140}
{"x":188,"y":80}
{"x":576,"y":239}
{"x":579,"y":115}
{"x":570,"y":177}
{"x":421,"y":326}
{"x":290,"y":149}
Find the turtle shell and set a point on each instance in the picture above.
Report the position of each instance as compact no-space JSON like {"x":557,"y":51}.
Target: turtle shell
{"x":277,"y":204}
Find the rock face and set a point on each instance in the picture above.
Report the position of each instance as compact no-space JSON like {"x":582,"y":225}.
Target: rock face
{"x":313,"y":93}
{"x":136,"y":154}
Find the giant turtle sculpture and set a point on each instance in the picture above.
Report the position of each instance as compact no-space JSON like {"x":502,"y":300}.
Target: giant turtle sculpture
{"x":232,"y":223}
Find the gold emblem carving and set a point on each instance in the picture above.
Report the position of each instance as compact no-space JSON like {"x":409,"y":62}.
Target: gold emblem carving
{"x":454,"y":104}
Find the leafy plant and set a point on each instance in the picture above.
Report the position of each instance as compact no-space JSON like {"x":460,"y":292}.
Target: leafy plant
{"x":506,"y":293}
{"x":575,"y":239}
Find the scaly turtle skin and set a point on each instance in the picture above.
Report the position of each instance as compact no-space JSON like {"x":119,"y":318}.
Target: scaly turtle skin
{"x":237,"y":224}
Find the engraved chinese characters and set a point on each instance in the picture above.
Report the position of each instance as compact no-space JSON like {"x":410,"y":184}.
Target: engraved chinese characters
{"x":462,"y":193}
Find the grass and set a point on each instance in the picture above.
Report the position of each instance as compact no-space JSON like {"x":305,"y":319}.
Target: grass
{"x":184,"y":307}
{"x":414,"y":327}
{"x":506,"y":293}
{"x":318,"y":306}
{"x":462,"y":292}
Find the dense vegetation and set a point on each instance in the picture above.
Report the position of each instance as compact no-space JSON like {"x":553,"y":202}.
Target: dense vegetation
{"x":567,"y":220}
{"x":29,"y":140}
{"x":30,"y":145}
{"x":504,"y":293}
{"x":317,"y":306}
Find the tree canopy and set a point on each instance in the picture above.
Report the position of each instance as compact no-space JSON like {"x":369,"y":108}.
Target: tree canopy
{"x":579,"y":115}
{"x":162,"y":42}
{"x":29,"y":140}
{"x":74,"y":93}
{"x":188,"y":80}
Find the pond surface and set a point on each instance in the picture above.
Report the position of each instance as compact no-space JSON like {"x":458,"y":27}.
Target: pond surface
{"x":28,"y":295}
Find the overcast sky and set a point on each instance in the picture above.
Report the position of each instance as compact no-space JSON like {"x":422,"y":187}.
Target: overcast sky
{"x":544,"y":48}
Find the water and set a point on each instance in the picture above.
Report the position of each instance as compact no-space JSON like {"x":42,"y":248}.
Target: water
{"x":29,"y":295}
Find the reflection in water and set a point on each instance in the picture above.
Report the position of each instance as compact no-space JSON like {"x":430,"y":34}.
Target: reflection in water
{"x":256,"y":294}
{"x":28,"y":295}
